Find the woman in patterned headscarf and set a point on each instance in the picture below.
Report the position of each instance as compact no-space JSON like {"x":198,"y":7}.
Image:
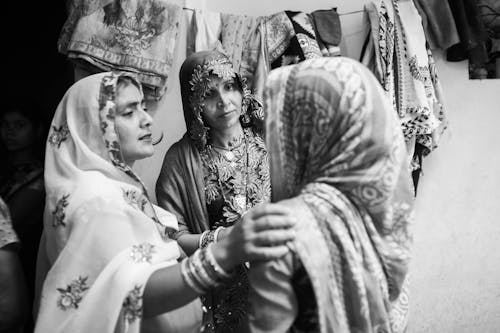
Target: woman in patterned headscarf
{"x":338,"y":160}
{"x":106,"y":261}
{"x":216,"y":172}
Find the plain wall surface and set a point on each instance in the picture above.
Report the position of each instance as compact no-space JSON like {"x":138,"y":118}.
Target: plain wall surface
{"x":455,"y":272}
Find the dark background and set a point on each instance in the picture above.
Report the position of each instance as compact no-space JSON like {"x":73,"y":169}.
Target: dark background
{"x":34,"y":70}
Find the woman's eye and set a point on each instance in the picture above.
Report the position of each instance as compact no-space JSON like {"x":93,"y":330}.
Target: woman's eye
{"x":128,"y":113}
{"x":230,"y":86}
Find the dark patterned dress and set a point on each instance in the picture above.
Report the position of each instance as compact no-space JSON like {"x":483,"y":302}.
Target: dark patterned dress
{"x":235,"y":180}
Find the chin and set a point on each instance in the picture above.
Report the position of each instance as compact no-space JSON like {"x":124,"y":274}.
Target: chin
{"x":146,"y":154}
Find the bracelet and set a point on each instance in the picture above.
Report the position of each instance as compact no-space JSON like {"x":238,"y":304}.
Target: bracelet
{"x":216,"y":233}
{"x":214,"y":265}
{"x":208,"y":237}
{"x":187,"y":276}
{"x":200,"y":241}
{"x":201,"y":274}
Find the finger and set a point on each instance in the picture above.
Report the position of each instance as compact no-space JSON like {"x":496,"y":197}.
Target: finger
{"x":269,"y":253}
{"x":270,"y":209}
{"x":274,"y":222}
{"x":274,"y":237}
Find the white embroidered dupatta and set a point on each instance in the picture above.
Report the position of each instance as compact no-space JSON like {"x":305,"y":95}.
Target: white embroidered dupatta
{"x":102,"y":236}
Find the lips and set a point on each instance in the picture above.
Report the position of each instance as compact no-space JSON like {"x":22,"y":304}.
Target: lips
{"x":225,"y":114}
{"x":145,"y":137}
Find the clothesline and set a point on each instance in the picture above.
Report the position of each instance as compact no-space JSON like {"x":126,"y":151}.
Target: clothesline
{"x":340,"y":14}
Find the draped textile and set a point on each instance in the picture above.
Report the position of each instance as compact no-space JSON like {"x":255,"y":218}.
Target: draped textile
{"x":205,"y":31}
{"x":102,"y":236}
{"x":406,"y":69}
{"x":128,"y":35}
{"x":337,"y":153}
{"x":302,"y":43}
{"x":438,"y":22}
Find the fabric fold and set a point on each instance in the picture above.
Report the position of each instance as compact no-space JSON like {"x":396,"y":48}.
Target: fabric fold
{"x":125,"y":35}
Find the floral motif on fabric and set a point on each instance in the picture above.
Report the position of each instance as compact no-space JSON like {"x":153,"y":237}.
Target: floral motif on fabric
{"x":240,"y":177}
{"x":142,"y":252}
{"x":234,"y":181}
{"x":132,"y":305}
{"x":58,"y":135}
{"x":72,"y":295}
{"x":134,"y":199}
{"x":59,"y":213}
{"x":133,"y":29}
{"x":230,"y":303}
{"x":200,"y":78}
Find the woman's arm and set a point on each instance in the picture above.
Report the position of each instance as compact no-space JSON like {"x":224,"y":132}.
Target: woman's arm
{"x":261,"y":235}
{"x":189,"y":242}
{"x":13,"y":299}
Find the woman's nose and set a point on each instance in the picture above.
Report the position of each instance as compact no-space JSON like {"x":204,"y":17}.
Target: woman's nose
{"x":223,"y":100}
{"x":147,"y":120}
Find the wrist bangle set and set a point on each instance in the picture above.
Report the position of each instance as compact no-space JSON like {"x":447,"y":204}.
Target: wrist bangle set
{"x":209,"y":236}
{"x":202,"y":272}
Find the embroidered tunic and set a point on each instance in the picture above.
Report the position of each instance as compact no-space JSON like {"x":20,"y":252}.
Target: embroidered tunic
{"x":235,"y":180}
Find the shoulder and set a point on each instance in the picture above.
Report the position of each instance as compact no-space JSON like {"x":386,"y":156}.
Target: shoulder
{"x":180,"y":149}
{"x":7,"y":234}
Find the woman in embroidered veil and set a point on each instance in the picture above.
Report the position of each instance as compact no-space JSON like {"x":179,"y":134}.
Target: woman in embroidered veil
{"x":106,"y":262}
{"x":338,"y":161}
{"x":216,"y":172}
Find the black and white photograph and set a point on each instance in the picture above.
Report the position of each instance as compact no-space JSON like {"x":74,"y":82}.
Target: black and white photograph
{"x":286,"y":166}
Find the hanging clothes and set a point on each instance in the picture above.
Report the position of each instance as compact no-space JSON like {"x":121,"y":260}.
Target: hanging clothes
{"x":303,"y":45}
{"x":328,"y":30}
{"x":125,"y":35}
{"x":439,"y":24}
{"x":405,"y":67}
{"x":241,"y":40}
{"x":205,"y":32}
{"x":279,"y":32}
{"x":473,"y":37}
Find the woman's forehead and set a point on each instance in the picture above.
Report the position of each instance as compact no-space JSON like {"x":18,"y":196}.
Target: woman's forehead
{"x":14,"y":115}
{"x":215,"y":80}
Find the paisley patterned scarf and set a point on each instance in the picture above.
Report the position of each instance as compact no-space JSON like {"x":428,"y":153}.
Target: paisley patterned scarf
{"x":336,"y":145}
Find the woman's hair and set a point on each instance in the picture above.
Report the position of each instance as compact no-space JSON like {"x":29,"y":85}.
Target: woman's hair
{"x":27,"y":109}
{"x":31,"y":111}
{"x":125,"y":81}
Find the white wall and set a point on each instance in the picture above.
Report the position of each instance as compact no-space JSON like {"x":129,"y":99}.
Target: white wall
{"x":456,"y":266}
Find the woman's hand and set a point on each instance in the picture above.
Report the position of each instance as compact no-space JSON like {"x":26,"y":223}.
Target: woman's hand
{"x":261,"y":234}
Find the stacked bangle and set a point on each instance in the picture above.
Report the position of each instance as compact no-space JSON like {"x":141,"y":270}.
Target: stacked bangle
{"x":202,"y":272}
{"x":209,"y":236}
{"x":216,"y":233}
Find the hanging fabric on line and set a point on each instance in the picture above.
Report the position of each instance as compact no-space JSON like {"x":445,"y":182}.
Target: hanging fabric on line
{"x":405,"y":68}
{"x":125,"y":35}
